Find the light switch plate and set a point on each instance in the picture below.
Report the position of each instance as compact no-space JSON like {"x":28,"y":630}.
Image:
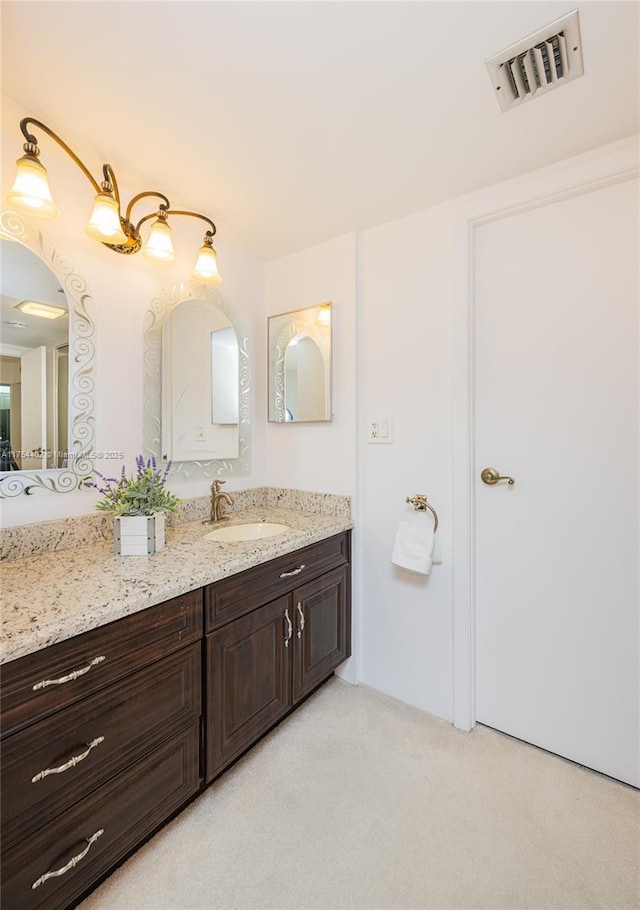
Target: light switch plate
{"x":380,"y":430}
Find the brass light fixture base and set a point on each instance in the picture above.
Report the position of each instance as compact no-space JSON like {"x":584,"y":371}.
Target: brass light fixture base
{"x":132,"y":245}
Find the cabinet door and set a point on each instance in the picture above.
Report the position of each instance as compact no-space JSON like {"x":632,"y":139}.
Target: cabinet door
{"x":248,"y":680}
{"x":322,"y":630}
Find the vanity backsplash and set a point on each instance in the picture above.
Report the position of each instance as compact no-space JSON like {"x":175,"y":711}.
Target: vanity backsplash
{"x":66,"y":533}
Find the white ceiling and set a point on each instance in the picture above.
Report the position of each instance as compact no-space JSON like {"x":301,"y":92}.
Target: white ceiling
{"x":290,"y":123}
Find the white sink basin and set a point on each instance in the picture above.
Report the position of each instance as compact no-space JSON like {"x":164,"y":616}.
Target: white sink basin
{"x":257,"y":530}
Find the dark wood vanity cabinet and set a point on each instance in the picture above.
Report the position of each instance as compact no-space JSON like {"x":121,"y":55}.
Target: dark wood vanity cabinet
{"x":287,"y":639}
{"x":100,"y":745}
{"x":102,"y":734}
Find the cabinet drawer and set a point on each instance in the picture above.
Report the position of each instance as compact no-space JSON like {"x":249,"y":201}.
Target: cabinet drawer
{"x":125,"y":810}
{"x":106,"y":732}
{"x":238,"y":594}
{"x":32,"y":687}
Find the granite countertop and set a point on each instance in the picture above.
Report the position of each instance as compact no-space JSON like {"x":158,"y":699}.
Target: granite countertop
{"x":54,"y":596}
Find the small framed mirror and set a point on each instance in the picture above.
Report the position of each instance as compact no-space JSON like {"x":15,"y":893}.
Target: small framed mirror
{"x":300,"y":365}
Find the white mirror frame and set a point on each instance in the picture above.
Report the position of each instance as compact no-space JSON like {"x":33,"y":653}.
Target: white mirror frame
{"x":82,"y":354}
{"x":161,"y":307}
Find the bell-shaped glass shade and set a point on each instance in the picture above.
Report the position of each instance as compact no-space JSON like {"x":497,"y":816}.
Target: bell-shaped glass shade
{"x":104,"y":224}
{"x":206,"y":267}
{"x":159,"y":246}
{"x":30,"y":193}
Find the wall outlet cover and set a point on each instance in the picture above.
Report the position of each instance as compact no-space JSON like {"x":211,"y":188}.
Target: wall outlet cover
{"x":380,"y":430}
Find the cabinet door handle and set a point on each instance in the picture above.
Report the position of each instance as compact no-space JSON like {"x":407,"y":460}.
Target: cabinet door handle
{"x":301,"y":623}
{"x":294,"y":572}
{"x":68,"y":764}
{"x":289,"y":628}
{"x":71,"y":864}
{"x":70,"y":676}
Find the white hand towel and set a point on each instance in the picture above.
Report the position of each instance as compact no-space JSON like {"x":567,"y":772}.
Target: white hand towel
{"x":413,"y":547}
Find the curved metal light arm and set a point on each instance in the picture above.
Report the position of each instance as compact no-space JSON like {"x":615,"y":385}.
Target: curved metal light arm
{"x":210,"y":233}
{"x":167,"y":211}
{"x":164,"y":206}
{"x":31,"y":139}
{"x":110,"y":178}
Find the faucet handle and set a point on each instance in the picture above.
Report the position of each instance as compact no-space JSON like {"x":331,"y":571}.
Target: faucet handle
{"x":215,"y":486}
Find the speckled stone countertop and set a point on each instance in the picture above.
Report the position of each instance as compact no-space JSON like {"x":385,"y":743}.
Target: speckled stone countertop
{"x":52,"y":597}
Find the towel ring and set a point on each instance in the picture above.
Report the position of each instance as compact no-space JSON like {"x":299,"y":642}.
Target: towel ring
{"x":420,"y":504}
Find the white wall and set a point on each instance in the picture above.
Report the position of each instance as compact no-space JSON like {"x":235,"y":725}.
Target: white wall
{"x":318,"y":456}
{"x":405,"y":370}
{"x":122,"y":288}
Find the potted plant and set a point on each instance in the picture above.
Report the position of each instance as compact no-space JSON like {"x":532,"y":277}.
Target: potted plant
{"x":139,"y":505}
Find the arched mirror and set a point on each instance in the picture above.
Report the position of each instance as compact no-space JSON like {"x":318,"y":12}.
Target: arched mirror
{"x":47,"y":419}
{"x":300,"y":365}
{"x":196,"y":391}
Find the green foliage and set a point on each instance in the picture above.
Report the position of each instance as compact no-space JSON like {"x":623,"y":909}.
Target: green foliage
{"x":143,"y":494}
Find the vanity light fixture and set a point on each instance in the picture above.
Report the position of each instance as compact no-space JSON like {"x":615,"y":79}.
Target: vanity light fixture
{"x":45,"y":310}
{"x":31,"y":194}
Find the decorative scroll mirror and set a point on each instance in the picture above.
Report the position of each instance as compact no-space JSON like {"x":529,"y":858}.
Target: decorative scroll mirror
{"x":300,"y":365}
{"x":196,"y":383}
{"x":47,"y":366}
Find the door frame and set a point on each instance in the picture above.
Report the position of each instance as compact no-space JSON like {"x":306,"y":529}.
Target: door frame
{"x":592,"y":171}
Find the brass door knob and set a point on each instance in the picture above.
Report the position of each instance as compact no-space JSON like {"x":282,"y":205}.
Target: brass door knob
{"x":490,"y":476}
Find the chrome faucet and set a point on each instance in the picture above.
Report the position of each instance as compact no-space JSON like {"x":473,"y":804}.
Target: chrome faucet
{"x":217,"y":500}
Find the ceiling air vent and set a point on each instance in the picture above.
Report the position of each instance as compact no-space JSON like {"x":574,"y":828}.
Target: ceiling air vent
{"x":540,"y":62}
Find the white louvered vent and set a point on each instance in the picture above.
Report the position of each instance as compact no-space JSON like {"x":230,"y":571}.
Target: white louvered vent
{"x":540,"y":62}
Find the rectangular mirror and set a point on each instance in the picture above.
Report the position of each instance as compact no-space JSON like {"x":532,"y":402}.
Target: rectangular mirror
{"x":225,"y":392}
{"x":300,"y":365}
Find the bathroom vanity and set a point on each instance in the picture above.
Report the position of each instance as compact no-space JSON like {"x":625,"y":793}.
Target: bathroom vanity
{"x":108,"y":733}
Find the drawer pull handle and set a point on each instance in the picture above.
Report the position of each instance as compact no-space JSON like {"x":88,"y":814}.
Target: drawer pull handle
{"x":68,"y":764}
{"x":71,"y":864}
{"x":70,"y":676}
{"x":294,"y":572}
{"x":301,"y":623}
{"x":289,"y":628}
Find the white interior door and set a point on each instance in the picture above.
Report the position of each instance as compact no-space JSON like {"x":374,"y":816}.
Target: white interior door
{"x":557,"y":409}
{"x":33,"y":379}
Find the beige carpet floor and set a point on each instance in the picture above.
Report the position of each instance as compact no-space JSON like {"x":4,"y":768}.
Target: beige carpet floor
{"x":360,"y":802}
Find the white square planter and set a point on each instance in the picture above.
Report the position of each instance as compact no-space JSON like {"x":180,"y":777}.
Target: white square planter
{"x":139,"y":535}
